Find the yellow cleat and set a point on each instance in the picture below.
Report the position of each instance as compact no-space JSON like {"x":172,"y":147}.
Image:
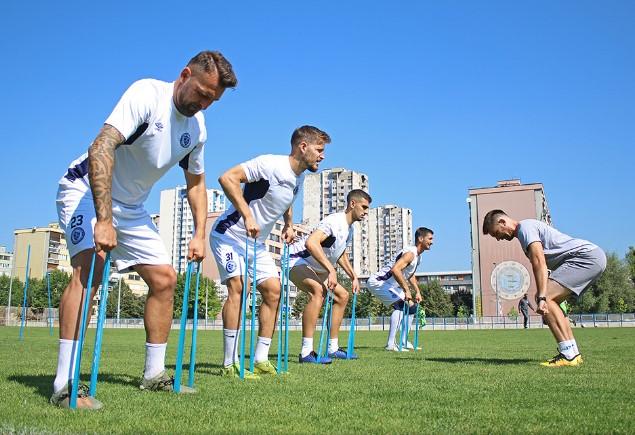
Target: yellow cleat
{"x":233,"y":371}
{"x":265,"y":368}
{"x":561,"y":361}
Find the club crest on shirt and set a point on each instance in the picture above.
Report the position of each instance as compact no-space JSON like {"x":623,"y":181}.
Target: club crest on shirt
{"x":185,"y":140}
{"x":230,"y":266}
{"x":159,"y":126}
{"x":77,"y":235}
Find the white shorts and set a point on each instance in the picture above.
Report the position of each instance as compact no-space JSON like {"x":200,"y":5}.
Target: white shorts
{"x":385,"y":291}
{"x":229,"y":254}
{"x":138,"y":240}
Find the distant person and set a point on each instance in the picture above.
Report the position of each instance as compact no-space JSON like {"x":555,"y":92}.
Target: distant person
{"x":574,"y":263}
{"x":393,"y":284}
{"x":523,"y":307}
{"x":312,"y":262}
{"x":271,"y":184}
{"x":154,"y":126}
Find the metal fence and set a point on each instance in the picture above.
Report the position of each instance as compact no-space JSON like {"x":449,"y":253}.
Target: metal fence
{"x":40,"y":318}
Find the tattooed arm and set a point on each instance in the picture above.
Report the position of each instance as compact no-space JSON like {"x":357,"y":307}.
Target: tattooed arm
{"x":101,"y":160}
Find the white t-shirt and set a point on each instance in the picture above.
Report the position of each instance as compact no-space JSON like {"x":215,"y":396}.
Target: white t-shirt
{"x":157,"y":136}
{"x":385,"y":273}
{"x":338,"y":233}
{"x":271,"y":188}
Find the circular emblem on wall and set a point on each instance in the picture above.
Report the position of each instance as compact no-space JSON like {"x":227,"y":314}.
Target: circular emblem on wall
{"x":185,"y":140}
{"x":230,"y":266}
{"x":510,"y":279}
{"x":77,"y":235}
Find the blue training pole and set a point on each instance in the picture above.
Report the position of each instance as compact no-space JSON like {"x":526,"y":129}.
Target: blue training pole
{"x":286,"y":319}
{"x":351,"y":333}
{"x":283,"y":266}
{"x":26,"y":289}
{"x":48,"y":291}
{"x":180,"y":349}
{"x":190,"y":381}
{"x":323,"y":332}
{"x":101,"y":318}
{"x":404,"y":332}
{"x":252,"y":340}
{"x":77,"y":347}
{"x":416,"y":340}
{"x":243,"y":312}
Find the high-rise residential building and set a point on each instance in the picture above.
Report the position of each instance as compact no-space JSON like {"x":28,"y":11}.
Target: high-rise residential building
{"x":502,"y":273}
{"x":48,"y":251}
{"x":389,"y":231}
{"x":6,"y":261}
{"x":324,"y":193}
{"x":176,"y":223}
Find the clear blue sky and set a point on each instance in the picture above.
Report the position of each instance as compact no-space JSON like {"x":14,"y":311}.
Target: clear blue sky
{"x":427,"y":98}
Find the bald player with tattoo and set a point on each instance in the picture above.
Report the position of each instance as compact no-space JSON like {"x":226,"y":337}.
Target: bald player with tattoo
{"x":154,"y":126}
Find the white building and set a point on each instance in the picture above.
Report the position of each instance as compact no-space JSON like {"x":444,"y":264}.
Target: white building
{"x":176,"y":223}
{"x":389,"y":230}
{"x":6,"y":261}
{"x":324,"y":194}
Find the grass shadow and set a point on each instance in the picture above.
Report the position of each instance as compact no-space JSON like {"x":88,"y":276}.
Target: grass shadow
{"x":493,"y":361}
{"x":43,"y":384}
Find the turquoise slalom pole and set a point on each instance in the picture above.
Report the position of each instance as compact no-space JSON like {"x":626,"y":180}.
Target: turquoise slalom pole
{"x":26,"y":289}
{"x":286,"y":319}
{"x":283,"y":266}
{"x":325,"y":317}
{"x":190,"y":382}
{"x":351,"y":333}
{"x":101,"y":318}
{"x":79,"y":345}
{"x":403,"y":336}
{"x":179,"y":351}
{"x":416,"y":339}
{"x":243,"y":313}
{"x":48,"y":291}
{"x":252,"y":341}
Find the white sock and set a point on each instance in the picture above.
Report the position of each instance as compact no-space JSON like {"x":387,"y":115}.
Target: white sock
{"x":395,"y":319}
{"x":575,"y":347}
{"x":333,"y":345}
{"x":231,"y":346}
{"x":262,"y":349}
{"x":155,"y":359}
{"x":566,"y":348}
{"x":64,"y":370}
{"x":307,"y":346}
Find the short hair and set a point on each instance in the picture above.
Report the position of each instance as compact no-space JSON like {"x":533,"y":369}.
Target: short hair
{"x":422,"y":232}
{"x":215,"y":62}
{"x":491,"y":218}
{"x":358,"y":194}
{"x":308,"y":133}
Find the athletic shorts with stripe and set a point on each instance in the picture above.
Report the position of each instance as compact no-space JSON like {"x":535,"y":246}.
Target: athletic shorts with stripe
{"x":387,"y":293}
{"x":138,"y":241}
{"x":229,"y":254}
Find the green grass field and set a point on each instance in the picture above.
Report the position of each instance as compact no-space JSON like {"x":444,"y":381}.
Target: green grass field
{"x":463,"y":381}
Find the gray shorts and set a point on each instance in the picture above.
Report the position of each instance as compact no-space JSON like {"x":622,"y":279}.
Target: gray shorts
{"x":581,"y":270}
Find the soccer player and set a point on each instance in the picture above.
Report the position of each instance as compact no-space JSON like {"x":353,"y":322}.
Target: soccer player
{"x":154,"y":126}
{"x":312,"y":262}
{"x":392,"y":284}
{"x":574,"y":263}
{"x":271,"y":185}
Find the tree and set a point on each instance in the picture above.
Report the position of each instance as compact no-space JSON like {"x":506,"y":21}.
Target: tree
{"x":612,"y":292}
{"x":630,"y":260}
{"x":462,"y":301}
{"x":213,"y":301}
{"x":131,"y":305}
{"x":436,"y":301}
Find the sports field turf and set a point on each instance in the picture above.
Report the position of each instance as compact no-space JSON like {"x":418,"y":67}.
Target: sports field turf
{"x":463,"y":382}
